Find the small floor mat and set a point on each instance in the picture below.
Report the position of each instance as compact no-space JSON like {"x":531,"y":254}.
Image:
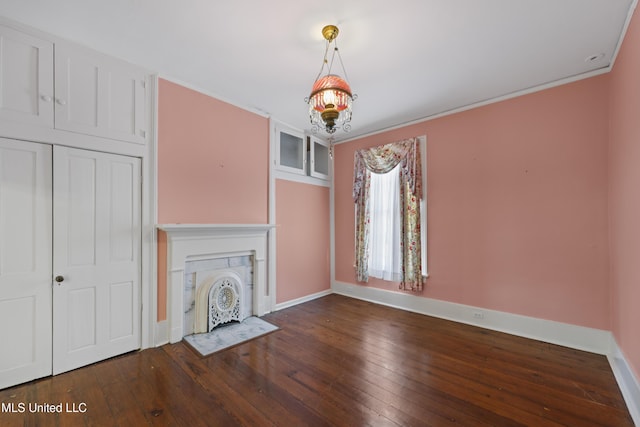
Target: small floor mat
{"x":229,"y":335}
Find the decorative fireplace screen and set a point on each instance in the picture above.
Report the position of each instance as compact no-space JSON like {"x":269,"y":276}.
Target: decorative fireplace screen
{"x":219,"y":301}
{"x":224,"y":301}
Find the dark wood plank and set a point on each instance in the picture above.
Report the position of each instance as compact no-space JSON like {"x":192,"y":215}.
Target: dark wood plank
{"x":338,"y":361}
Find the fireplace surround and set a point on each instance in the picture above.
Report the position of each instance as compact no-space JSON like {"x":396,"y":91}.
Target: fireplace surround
{"x":193,"y":242}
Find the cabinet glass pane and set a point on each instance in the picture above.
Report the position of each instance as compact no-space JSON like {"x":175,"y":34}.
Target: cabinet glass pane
{"x":291,"y":151}
{"x":321,"y":159}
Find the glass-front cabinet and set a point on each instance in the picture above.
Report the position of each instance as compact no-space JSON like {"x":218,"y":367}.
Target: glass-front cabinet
{"x":319,"y":158}
{"x":300,"y":156}
{"x":291,"y":151}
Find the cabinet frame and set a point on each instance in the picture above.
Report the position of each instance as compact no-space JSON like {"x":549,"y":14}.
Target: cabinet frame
{"x":307,"y":173}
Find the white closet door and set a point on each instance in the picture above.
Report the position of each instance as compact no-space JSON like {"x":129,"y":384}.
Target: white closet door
{"x":97,"y":244}
{"x":25,"y":261}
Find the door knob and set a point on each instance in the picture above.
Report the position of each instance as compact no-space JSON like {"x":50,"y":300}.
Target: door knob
{"x":59,"y":279}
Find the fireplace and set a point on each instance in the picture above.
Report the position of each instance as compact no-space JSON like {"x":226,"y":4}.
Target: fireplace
{"x":217,"y":291}
{"x":231,"y":245}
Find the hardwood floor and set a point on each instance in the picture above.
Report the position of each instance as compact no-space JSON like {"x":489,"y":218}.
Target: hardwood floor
{"x":336,"y":361}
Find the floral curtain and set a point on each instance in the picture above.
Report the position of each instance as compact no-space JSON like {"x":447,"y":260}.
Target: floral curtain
{"x":382,"y":159}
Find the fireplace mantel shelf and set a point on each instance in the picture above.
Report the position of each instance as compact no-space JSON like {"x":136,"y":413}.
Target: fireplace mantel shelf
{"x":212,"y":228}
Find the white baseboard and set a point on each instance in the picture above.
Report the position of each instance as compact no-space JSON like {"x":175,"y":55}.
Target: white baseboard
{"x":297,"y":301}
{"x":161,"y":333}
{"x":577,"y":337}
{"x":627,"y":382}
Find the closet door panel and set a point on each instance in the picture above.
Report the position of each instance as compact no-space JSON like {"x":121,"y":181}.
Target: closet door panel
{"x":97,"y":253}
{"x":80,"y":223}
{"x":25,"y":261}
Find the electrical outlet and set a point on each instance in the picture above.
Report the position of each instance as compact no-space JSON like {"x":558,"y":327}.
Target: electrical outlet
{"x":478,"y":315}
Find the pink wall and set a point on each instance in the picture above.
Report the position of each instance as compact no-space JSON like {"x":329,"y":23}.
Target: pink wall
{"x":212,"y":160}
{"x":302,"y":240}
{"x":161,"y":296}
{"x":517,"y":205}
{"x":624,"y":195}
{"x":213,"y":165}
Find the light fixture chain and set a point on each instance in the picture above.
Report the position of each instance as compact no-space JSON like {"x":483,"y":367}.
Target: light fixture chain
{"x":344,"y":71}
{"x":333,"y":56}
{"x":324,"y":61}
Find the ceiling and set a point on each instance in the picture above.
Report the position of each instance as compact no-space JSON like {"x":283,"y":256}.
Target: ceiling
{"x":406,"y":60}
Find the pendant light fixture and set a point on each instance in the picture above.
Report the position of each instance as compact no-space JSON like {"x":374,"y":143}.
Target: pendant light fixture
{"x":331,"y":97}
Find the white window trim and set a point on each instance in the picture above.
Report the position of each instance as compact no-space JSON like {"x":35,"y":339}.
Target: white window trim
{"x":423,"y":206}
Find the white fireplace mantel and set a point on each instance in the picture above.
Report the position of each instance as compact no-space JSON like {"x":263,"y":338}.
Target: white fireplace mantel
{"x":189,"y":242}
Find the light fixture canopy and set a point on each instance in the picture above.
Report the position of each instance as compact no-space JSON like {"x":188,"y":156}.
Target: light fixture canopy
{"x":331,"y":98}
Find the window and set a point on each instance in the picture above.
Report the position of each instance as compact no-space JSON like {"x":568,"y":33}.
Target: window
{"x":389,"y":226}
{"x":385,"y":257}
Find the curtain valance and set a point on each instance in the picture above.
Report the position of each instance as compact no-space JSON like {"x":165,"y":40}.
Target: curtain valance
{"x":383,"y":158}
